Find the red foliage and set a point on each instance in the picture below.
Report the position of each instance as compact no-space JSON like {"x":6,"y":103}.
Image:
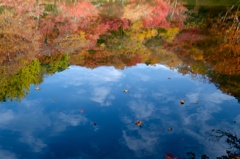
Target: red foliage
{"x":76,"y":16}
{"x":177,"y":14}
{"x":184,"y":41}
{"x":25,"y":6}
{"x":169,"y":155}
{"x":114,"y":24}
{"x":70,"y":19}
{"x":159,"y":12}
{"x":189,"y":37}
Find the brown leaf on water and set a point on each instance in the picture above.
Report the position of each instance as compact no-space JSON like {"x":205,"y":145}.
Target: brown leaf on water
{"x":182,"y":101}
{"x":138,"y":123}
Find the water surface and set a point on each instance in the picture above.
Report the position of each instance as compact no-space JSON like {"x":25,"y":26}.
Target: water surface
{"x":65,"y":66}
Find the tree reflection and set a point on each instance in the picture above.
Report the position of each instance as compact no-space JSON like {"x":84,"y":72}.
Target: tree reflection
{"x":16,"y":86}
{"x":123,"y":34}
{"x":209,"y":46}
{"x":215,"y":135}
{"x":230,"y":138}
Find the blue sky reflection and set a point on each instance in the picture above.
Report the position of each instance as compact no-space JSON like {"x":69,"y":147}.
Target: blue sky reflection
{"x":58,"y":120}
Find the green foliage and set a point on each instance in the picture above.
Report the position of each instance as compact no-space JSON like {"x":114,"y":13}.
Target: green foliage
{"x":55,"y":63}
{"x":17,"y":86}
{"x":169,"y":34}
{"x":1,"y":9}
{"x":50,"y":8}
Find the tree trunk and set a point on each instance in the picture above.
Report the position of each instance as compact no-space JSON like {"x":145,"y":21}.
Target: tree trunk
{"x":175,"y":5}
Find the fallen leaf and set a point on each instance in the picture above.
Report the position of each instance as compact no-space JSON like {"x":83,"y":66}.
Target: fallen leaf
{"x":138,"y":123}
{"x":182,"y":101}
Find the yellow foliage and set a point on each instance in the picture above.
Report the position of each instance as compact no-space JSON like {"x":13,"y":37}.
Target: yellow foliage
{"x":82,"y":36}
{"x":169,"y":34}
{"x":139,"y":33}
{"x":102,"y":45}
{"x":137,"y":26}
{"x":197,"y":54}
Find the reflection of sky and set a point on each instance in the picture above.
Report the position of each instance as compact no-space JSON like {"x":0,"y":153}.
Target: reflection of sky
{"x":49,"y":123}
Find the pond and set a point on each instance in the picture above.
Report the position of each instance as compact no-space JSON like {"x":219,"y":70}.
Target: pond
{"x":119,"y":79}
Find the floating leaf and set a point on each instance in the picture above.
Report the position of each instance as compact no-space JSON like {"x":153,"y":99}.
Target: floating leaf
{"x":182,"y":101}
{"x":138,"y":123}
{"x":126,"y":90}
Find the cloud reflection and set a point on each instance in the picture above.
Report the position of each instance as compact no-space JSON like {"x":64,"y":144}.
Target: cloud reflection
{"x":141,"y":109}
{"x":7,"y":155}
{"x":157,"y":106}
{"x":102,"y":96}
{"x":72,"y":119}
{"x":83,"y":75}
{"x":35,"y":143}
{"x":218,"y":97}
{"x":146,"y":141}
{"x":189,"y":120}
{"x":6,"y":116}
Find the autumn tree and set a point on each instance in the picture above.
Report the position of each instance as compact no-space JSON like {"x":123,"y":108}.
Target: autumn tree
{"x":54,"y":63}
{"x":71,"y":29}
{"x":225,"y":32}
{"x":19,"y":32}
{"x":17,"y":86}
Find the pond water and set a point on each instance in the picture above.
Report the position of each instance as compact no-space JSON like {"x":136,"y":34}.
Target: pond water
{"x":107,"y":82}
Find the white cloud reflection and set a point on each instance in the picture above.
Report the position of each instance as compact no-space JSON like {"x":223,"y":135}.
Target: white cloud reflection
{"x":158,"y":108}
{"x":146,"y":141}
{"x":102,"y":96}
{"x":192,"y":97}
{"x":217,"y":97}
{"x":7,"y":155}
{"x":35,"y":143}
{"x":190,"y":119}
{"x":141,"y":109}
{"x":156,"y":66}
{"x":6,"y":117}
{"x":93,"y":77}
{"x":72,"y":119}
{"x":37,"y":121}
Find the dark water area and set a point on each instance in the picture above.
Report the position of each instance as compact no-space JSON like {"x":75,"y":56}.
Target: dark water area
{"x":119,"y":79}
